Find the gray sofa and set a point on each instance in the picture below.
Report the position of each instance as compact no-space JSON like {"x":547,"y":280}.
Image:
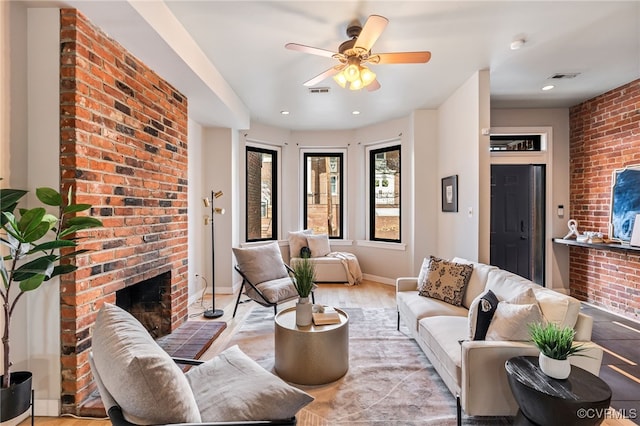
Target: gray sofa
{"x":474,"y":369}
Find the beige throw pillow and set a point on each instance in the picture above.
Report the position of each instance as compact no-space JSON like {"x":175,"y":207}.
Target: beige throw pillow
{"x":319,"y":245}
{"x":297,"y":240}
{"x":446,"y":281}
{"x":261,"y":263}
{"x":424,"y":271}
{"x":512,"y":318}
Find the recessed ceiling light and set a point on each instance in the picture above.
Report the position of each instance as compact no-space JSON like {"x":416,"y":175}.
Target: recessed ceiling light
{"x":517,"y":44}
{"x":548,"y":87}
{"x":355,"y":112}
{"x":284,"y":112}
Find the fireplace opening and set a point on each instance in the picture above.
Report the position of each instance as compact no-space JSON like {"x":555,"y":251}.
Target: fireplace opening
{"x":148,"y":301}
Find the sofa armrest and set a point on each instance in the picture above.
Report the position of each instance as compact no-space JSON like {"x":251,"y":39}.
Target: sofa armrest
{"x":406,"y":284}
{"x":483,"y":368}
{"x":583,"y":327}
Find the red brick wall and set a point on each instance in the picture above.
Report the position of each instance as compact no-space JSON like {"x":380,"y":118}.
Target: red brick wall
{"x":605,"y":136}
{"x":123,"y":147}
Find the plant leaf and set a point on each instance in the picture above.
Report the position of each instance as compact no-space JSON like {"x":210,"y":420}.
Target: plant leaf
{"x":84,"y":222}
{"x":74,"y":208}
{"x":55,"y":244}
{"x":32,"y":283}
{"x":62,"y":269}
{"x":49,"y":196}
{"x":40,"y":266}
{"x":9,"y":198}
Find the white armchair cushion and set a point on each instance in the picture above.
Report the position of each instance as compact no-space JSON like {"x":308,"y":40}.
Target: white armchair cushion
{"x":261,"y":263}
{"x":275,"y":291}
{"x":140,"y":376}
{"x":233,"y":387}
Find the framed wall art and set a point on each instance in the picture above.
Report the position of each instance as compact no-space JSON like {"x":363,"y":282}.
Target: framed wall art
{"x":450,"y":194}
{"x":625,"y":202}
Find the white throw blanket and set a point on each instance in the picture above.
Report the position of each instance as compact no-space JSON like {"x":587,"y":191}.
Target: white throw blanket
{"x":351,"y":266}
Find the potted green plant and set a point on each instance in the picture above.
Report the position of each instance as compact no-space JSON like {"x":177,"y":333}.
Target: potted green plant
{"x":35,"y":241}
{"x":556,"y":346}
{"x":304,"y":276}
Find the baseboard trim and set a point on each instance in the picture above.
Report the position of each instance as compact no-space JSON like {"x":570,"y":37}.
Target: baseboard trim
{"x":383,"y":280}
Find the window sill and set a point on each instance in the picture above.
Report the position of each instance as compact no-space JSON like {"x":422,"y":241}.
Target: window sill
{"x":382,"y":245}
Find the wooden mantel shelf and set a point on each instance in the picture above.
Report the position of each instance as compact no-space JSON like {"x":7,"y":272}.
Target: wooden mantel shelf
{"x":600,"y":246}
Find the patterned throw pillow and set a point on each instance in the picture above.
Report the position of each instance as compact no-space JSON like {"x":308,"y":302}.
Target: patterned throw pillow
{"x":446,"y":281}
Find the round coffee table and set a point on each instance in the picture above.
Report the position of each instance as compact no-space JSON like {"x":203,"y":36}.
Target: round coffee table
{"x":312,"y":355}
{"x":580,"y":399}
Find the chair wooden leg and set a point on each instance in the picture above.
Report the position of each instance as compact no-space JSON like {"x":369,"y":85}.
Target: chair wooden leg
{"x":398,"y":326}
{"x":238,"y":299}
{"x":458,"y":411}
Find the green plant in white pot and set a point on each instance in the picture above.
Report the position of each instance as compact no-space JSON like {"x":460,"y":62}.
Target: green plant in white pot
{"x":556,"y":346}
{"x":304,"y":276}
{"x":34,"y":243}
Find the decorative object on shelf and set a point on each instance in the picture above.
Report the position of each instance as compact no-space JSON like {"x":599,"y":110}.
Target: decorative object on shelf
{"x":304,"y":275}
{"x":625,"y":202}
{"x":573,"y":229}
{"x":450,"y":194}
{"x":556,"y":346}
{"x":33,"y":239}
{"x":213,"y":312}
{"x":594,"y":237}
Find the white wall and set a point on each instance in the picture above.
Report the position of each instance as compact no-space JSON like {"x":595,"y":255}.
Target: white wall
{"x":557,"y":271}
{"x":198,"y":239}
{"x":463,"y":151}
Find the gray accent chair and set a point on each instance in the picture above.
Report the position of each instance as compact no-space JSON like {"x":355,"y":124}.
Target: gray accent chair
{"x":140,"y":384}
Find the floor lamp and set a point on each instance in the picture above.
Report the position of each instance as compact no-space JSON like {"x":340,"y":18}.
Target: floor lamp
{"x":213,"y":312}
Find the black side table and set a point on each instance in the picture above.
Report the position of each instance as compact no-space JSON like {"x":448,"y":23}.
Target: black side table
{"x":580,"y":399}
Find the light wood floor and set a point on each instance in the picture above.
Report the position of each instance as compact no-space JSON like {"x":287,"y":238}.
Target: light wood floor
{"x":367,"y":294}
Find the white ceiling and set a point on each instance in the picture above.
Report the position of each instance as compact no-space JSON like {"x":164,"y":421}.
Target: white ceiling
{"x":228,"y":57}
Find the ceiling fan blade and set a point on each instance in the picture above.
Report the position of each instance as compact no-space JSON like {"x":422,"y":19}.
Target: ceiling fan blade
{"x":402,"y":58}
{"x":371,"y":30}
{"x":309,"y":49}
{"x":374,"y":85}
{"x":328,"y":73}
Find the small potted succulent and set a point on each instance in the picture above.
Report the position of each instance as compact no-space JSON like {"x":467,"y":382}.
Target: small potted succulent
{"x":304,"y":276}
{"x":34,"y":243}
{"x":556,"y":346}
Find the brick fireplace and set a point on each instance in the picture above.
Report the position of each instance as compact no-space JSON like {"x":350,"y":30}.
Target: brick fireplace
{"x":123,"y":148}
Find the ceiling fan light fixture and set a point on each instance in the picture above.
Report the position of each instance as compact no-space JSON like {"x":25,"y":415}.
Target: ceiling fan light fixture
{"x":352,"y":73}
{"x":340,"y":79}
{"x":367,"y":76}
{"x":356,"y":85}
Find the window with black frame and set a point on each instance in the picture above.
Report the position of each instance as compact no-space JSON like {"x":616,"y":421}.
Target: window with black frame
{"x":384,"y":194}
{"x":323,"y":193}
{"x":261,"y":194}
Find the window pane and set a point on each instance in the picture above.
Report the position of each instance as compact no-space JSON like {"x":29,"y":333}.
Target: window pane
{"x":385,"y":194}
{"x":261,"y":184}
{"x":323,"y":194}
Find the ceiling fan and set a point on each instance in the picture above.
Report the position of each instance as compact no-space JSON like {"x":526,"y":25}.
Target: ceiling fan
{"x":356,"y":52}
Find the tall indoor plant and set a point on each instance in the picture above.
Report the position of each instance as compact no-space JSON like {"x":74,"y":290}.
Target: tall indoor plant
{"x":35,"y":243}
{"x":304,"y":276}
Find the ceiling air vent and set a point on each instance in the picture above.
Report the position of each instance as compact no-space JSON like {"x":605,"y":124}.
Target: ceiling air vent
{"x":318,"y":90}
{"x":565,"y":75}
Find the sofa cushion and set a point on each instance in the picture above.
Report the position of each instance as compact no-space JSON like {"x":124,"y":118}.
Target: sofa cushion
{"x":140,"y":376}
{"x":558,"y":308}
{"x":319,"y":245}
{"x":446,"y":280}
{"x":507,"y":285}
{"x":477,"y":282}
{"x":443,"y":335}
{"x":297,"y":240}
{"x":261,"y":263}
{"x":233,"y":387}
{"x":422,"y":307}
{"x":511,"y":321}
{"x":480,"y":315}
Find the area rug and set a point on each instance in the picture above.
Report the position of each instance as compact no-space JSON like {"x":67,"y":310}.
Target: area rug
{"x":389,"y":382}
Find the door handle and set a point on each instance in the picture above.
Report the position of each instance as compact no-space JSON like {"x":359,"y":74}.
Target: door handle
{"x":523,"y":237}
{"x":522,"y":226}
